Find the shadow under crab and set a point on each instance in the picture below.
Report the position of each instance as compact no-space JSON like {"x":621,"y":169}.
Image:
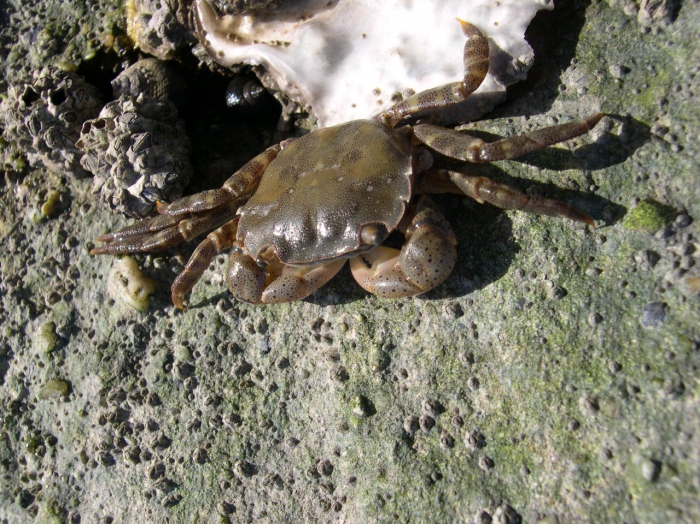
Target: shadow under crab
{"x":295,"y":213}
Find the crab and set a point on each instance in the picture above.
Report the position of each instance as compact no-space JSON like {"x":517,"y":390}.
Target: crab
{"x":295,"y":213}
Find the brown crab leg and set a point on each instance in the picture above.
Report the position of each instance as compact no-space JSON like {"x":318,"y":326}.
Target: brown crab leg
{"x":237,"y":188}
{"x":503,"y":196}
{"x":140,"y":228}
{"x":216,"y":241}
{"x":174,"y":226}
{"x":476,"y":66}
{"x":148,"y":235}
{"x":470,"y":149}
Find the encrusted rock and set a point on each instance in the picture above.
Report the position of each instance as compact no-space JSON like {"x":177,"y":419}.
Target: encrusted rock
{"x":651,"y":11}
{"x":138,"y":151}
{"x":231,"y":7}
{"x":151,"y":77}
{"x":156,"y":26}
{"x":43,"y":115}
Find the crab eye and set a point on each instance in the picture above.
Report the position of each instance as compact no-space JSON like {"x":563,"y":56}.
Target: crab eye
{"x":373,"y":234}
{"x":265,"y":256}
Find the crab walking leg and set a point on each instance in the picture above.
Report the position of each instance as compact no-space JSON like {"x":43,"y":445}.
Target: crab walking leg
{"x":484,"y":189}
{"x":237,"y":188}
{"x":277,"y":282}
{"x":470,"y":149}
{"x":163,"y":231}
{"x":476,"y":66}
{"x":425,"y":260}
{"x":174,"y":225}
{"x":141,"y":228}
{"x":216,"y":241}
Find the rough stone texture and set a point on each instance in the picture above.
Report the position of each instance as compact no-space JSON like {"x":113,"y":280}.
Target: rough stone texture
{"x":552,"y":378}
{"x":67,"y":33}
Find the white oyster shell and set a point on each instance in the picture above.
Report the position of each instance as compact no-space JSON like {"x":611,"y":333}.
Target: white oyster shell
{"x":345,"y":60}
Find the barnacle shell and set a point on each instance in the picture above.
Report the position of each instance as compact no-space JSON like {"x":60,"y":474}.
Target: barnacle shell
{"x":43,"y":116}
{"x":156,"y":26}
{"x":138,"y":151}
{"x":347,"y":60}
{"x":151,"y":77}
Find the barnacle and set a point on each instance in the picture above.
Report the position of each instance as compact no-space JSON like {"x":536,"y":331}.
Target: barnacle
{"x":127,"y":283}
{"x":43,"y":115}
{"x":151,"y":77}
{"x":155,"y":27}
{"x":138,"y":151}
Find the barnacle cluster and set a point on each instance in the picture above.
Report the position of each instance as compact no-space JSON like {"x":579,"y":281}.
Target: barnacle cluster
{"x":157,"y":26}
{"x":43,"y":116}
{"x":138,"y":151}
{"x":151,"y":77}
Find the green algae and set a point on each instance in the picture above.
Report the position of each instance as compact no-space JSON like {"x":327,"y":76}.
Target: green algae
{"x":649,"y":216}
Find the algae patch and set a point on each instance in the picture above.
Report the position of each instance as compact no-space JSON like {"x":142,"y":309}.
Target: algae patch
{"x":50,"y":207}
{"x":45,"y":339}
{"x":55,"y":388}
{"x":649,"y":215}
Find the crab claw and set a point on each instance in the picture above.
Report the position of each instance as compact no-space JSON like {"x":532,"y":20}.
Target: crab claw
{"x":276,"y":282}
{"x":424,"y":262}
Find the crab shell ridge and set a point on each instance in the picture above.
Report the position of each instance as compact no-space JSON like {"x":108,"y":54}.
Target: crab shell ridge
{"x":319,"y":192}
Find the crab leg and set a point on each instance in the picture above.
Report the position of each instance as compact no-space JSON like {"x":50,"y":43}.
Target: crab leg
{"x":216,"y":241}
{"x":238,"y":187}
{"x":476,"y":66}
{"x":276,"y":282}
{"x":425,"y":260}
{"x":176,"y":224}
{"x":161,"y":232}
{"x":471,"y":149}
{"x":503,"y":196}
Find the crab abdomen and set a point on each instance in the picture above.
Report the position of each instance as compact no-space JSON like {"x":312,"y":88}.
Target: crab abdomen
{"x":322,"y":188}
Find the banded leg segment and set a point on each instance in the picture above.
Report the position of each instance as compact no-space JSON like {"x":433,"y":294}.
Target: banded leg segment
{"x":221,"y":238}
{"x":163,"y":231}
{"x":483,"y":189}
{"x":276,"y":282}
{"x":190,"y":216}
{"x":470,"y":149}
{"x":237,"y":188}
{"x":476,"y":66}
{"x":425,"y":260}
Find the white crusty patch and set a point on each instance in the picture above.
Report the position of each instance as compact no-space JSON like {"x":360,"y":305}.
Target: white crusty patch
{"x":345,"y":59}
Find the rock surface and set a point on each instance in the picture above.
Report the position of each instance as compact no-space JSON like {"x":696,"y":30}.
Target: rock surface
{"x":552,"y":378}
